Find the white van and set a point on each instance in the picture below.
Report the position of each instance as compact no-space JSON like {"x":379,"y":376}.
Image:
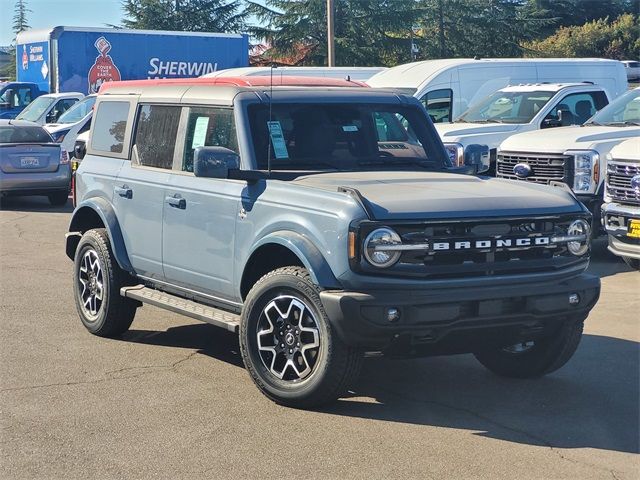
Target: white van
{"x":354,"y":73}
{"x":448,"y":87}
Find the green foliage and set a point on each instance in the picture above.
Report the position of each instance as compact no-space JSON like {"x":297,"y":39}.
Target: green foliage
{"x":619,"y":39}
{"x":185,"y":15}
{"x":20,"y":23}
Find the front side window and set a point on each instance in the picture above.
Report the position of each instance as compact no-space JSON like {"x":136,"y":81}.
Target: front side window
{"x":156,"y":132}
{"x":314,"y":137}
{"x":622,"y":112}
{"x":24,"y":96}
{"x":110,"y":126}
{"x":507,"y":107}
{"x":577,"y":108}
{"x":35,"y":109}
{"x":438,"y":105}
{"x":208,"y":127}
{"x":78,"y":111}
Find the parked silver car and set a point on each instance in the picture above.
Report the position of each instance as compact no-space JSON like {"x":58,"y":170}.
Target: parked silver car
{"x":31,"y":163}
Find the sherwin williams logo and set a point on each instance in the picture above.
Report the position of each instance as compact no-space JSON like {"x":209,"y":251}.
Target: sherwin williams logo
{"x":522,"y":170}
{"x":25,"y":58}
{"x":635,"y":183}
{"x":103,"y":70}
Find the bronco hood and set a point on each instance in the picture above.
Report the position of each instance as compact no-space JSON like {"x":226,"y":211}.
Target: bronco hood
{"x":424,"y":195}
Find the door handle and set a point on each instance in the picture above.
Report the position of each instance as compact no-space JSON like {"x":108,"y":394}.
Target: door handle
{"x":176,"y":201}
{"x":124,"y":191}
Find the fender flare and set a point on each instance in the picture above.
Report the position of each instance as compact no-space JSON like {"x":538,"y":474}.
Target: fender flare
{"x":110,"y":221}
{"x":306,"y":251}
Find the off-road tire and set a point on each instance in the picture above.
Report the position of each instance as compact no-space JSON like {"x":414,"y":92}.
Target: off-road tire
{"x":58,"y":199}
{"x":545,"y":356}
{"x":337,"y":364}
{"x":632,"y":262}
{"x":116,"y":313}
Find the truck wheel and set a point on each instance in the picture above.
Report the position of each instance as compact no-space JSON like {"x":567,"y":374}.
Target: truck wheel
{"x":58,"y":198}
{"x":97,"y":279}
{"x":289,"y":348}
{"x":537,"y":357}
{"x":632,"y":262}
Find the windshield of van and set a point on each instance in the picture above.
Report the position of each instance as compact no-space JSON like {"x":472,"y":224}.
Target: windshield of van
{"x":78,"y":111}
{"x":507,"y":107}
{"x":320,"y":137}
{"x":622,"y":112}
{"x":35,"y":109}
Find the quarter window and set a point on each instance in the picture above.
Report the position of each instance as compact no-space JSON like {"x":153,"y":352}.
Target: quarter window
{"x":156,"y":132}
{"x":110,"y":126}
{"x":438,"y":105}
{"x":208,"y":127}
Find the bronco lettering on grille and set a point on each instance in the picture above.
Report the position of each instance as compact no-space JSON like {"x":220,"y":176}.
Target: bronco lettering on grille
{"x":491,"y":243}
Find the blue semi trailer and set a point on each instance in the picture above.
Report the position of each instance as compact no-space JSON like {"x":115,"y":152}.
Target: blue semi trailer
{"x":73,"y":59}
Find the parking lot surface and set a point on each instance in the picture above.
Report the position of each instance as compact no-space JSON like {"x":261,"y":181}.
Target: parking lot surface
{"x":171,"y":399}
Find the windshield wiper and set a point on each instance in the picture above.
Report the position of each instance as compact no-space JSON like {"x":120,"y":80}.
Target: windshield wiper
{"x":488,"y":120}
{"x":625,"y":123}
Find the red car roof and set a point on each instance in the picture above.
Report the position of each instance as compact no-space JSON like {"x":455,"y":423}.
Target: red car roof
{"x":248,"y":81}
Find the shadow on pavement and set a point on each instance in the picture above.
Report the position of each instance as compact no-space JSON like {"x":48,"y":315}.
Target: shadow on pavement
{"x":603,"y":262}
{"x":591,"y":402}
{"x":33,"y":204}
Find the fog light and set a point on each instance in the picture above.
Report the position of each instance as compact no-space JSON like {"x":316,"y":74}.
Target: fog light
{"x":574,"y":299}
{"x":393,"y":314}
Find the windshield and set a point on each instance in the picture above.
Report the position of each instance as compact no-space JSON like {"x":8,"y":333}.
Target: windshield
{"x":78,"y":111}
{"x":35,"y":109}
{"x":344,"y":137}
{"x":507,"y":107}
{"x":24,"y":134}
{"x":623,"y":111}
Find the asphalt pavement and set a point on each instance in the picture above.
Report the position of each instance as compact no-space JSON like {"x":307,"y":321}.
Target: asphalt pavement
{"x":171,"y":399}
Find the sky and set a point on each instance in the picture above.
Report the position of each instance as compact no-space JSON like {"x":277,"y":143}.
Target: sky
{"x":51,"y":13}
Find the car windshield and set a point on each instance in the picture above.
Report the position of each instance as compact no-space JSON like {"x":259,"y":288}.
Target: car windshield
{"x":78,"y":111}
{"x":507,"y":107}
{"x":35,"y":109}
{"x":24,"y":134}
{"x":623,"y":111}
{"x":320,"y":137}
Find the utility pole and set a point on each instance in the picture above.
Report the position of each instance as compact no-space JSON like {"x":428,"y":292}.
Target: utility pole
{"x":331,"y":53}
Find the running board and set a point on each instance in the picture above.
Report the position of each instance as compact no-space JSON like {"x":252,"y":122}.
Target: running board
{"x":176,"y":304}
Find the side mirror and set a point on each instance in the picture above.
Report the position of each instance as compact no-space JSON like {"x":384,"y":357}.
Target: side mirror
{"x":477,"y":157}
{"x":79,"y":150}
{"x":214,"y":162}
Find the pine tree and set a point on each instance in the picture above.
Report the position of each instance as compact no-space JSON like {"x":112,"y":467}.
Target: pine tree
{"x":20,"y":23}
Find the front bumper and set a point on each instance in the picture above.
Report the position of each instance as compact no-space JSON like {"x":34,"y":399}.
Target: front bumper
{"x":615,"y":218}
{"x":460,"y":320}
{"x":36,"y":183}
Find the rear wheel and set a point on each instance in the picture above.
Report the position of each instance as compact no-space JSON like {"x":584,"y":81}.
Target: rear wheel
{"x":58,"y":198}
{"x":537,"y":357}
{"x":97,"y":279}
{"x":288,"y":344}
{"x":632,"y":262}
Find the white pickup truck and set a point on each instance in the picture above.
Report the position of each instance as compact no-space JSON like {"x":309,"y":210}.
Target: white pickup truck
{"x":518,"y":109}
{"x":573,"y":155}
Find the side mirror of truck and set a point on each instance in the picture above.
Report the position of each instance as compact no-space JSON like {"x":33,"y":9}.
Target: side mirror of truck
{"x":477,"y":157}
{"x":214,"y":162}
{"x":79,"y":150}
{"x":552,"y":121}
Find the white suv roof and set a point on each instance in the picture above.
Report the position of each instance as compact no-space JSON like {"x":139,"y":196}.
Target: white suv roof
{"x":549,"y":87}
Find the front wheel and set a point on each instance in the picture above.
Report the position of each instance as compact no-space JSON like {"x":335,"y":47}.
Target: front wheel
{"x":288,"y":345}
{"x":537,"y":357}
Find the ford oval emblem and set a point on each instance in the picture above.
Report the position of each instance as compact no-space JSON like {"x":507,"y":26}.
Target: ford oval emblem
{"x":522,"y":170}
{"x":635,"y":183}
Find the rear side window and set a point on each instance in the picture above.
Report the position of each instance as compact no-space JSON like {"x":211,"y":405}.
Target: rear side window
{"x":208,"y":127}
{"x":156,"y":132}
{"x":438,"y":105}
{"x":110,"y":126}
{"x":18,"y":134}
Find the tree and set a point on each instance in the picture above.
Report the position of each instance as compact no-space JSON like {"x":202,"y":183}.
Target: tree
{"x":618,"y":39}
{"x":185,"y":15}
{"x":20,"y":24}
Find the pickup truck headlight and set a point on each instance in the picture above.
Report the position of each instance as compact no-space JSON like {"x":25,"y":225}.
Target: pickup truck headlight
{"x":607,"y":197}
{"x":378,"y":247}
{"x":579,"y":228}
{"x":455,"y":151}
{"x":586,"y":169}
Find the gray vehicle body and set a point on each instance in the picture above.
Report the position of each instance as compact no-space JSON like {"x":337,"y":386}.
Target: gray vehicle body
{"x":211,"y":239}
{"x":28,"y":168}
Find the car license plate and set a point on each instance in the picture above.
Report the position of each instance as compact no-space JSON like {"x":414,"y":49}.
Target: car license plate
{"x":29,"y":162}
{"x":633,"y":230}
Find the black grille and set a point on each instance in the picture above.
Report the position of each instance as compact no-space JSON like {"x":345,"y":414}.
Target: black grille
{"x":619,"y":175}
{"x":544,"y":168}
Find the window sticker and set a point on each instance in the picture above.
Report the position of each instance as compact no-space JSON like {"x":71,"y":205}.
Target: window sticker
{"x":200,"y":132}
{"x":349,"y":128}
{"x":277,"y":139}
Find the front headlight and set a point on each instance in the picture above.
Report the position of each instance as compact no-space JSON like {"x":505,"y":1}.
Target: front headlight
{"x":586,"y":169}
{"x":581,"y":229}
{"x":455,"y":151}
{"x":378,"y":247}
{"x":609,"y":169}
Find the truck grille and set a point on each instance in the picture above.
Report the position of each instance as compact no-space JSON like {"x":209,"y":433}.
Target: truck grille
{"x":619,"y":175}
{"x":544,"y":168}
{"x":435,"y":263}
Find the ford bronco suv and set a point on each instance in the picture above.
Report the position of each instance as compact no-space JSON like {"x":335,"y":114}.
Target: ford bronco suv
{"x":320,"y":224}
